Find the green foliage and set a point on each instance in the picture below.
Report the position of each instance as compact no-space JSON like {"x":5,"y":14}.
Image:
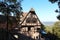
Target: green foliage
{"x":57,"y":11}
{"x":48,"y":29}
{"x":53,"y":1}
{"x":12,"y":6}
{"x":56,"y":29}
{"x":12,"y":0}
{"x":58,"y":17}
{"x":42,"y":27}
{"x":9,"y":7}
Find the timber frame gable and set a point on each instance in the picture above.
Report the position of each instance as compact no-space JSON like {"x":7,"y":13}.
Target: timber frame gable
{"x":30,"y":24}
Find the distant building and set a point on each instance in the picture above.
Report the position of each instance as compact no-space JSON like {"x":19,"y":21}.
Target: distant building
{"x":30,"y":24}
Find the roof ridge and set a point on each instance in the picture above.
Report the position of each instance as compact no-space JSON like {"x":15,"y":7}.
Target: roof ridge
{"x":32,"y":9}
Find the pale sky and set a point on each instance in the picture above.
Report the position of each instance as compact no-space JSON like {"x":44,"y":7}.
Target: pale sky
{"x":43,"y":8}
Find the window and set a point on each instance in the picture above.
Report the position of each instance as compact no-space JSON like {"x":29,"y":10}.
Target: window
{"x":28,"y":20}
{"x":31,"y":20}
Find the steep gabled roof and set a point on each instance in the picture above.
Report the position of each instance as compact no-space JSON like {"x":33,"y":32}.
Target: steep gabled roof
{"x":24,"y":17}
{"x":29,"y":14}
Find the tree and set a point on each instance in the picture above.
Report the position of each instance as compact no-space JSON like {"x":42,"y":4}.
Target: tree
{"x":48,"y":29}
{"x":56,"y":29}
{"x":8,"y":6}
{"x":53,"y":1}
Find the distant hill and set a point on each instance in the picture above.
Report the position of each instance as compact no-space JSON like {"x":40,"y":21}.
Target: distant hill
{"x":48,"y":23}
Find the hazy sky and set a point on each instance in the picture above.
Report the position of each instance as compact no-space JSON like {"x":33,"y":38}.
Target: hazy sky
{"x":44,"y":9}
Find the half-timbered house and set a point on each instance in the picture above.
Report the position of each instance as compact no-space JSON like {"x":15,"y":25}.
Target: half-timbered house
{"x":30,"y":24}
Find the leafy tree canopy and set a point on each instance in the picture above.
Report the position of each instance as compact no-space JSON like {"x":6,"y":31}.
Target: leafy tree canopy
{"x":56,"y":28}
{"x":53,"y":1}
{"x":7,"y":7}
